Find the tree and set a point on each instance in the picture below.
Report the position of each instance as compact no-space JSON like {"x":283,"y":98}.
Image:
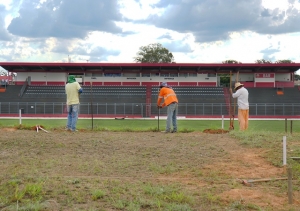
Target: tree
{"x":286,"y":61}
{"x":263,"y":61}
{"x":224,"y":79}
{"x":231,"y":62}
{"x":154,"y":53}
{"x":297,"y":77}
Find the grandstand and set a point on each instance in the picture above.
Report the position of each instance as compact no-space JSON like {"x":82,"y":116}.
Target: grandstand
{"x":274,"y":95}
{"x":131,"y":90}
{"x":117,"y":100}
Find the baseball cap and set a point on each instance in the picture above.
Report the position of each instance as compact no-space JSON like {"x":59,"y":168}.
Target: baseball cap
{"x":164,"y":84}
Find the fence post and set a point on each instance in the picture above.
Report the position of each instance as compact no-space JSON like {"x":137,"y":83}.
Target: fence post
{"x":290,"y":186}
{"x":222,"y":122}
{"x":284,"y":151}
{"x":286,"y":125}
{"x":20,"y":117}
{"x":142,"y":110}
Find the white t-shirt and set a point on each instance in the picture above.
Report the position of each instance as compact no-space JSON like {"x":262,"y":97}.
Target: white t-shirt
{"x":242,"y":94}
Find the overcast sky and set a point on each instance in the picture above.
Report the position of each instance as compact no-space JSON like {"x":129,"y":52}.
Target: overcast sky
{"x":195,"y":31}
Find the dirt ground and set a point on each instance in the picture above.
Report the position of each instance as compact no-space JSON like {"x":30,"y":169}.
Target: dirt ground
{"x":201,"y":160}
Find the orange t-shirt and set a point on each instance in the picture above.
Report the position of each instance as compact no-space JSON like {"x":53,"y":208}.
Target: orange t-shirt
{"x":168,"y":95}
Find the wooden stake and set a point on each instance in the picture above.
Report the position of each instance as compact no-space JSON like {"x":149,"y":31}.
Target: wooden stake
{"x":267,"y":179}
{"x":290,"y":186}
{"x":286,"y":125}
{"x":231,"y":117}
{"x":235,"y":99}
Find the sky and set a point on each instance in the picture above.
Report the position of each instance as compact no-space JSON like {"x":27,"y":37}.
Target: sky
{"x":194,"y":31}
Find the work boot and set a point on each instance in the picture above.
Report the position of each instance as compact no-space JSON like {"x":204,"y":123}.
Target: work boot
{"x":165,"y":131}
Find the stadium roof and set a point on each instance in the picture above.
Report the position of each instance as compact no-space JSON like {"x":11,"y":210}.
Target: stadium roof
{"x":150,"y":67}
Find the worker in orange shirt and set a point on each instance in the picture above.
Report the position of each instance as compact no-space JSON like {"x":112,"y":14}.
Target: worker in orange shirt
{"x":171,"y":101}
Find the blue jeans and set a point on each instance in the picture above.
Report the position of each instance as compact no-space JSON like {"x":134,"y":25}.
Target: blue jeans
{"x":172,"y":112}
{"x":72,"y":116}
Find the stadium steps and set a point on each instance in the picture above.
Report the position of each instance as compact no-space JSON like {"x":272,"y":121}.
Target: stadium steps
{"x":11,"y":94}
{"x":269,"y":95}
{"x":114,"y":94}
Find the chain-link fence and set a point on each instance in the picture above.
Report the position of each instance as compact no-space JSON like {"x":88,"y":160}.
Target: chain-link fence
{"x":147,"y":110}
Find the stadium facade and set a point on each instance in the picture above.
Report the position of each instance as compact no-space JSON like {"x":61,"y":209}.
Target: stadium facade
{"x":149,"y":74}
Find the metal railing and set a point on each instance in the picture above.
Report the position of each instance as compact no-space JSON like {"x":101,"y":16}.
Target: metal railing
{"x":23,"y":88}
{"x":142,"y":109}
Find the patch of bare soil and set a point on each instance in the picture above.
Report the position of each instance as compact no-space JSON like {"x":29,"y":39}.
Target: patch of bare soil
{"x":196,"y":160}
{"x":246,"y":163}
{"x":8,"y":129}
{"x":215,"y":131}
{"x":254,"y":196}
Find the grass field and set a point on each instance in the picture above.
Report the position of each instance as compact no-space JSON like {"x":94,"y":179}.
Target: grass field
{"x":152,"y":125}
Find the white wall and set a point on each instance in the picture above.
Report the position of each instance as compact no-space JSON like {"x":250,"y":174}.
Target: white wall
{"x":21,"y":77}
{"x":36,"y":76}
{"x":59,"y":77}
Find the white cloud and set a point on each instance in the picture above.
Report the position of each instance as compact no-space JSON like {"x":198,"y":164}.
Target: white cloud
{"x":240,"y":37}
{"x":6,"y":3}
{"x":245,"y":47}
{"x":274,"y":4}
{"x":138,"y":10}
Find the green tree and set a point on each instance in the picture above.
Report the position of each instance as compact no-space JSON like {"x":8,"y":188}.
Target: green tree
{"x":224,"y":80}
{"x":154,"y":53}
{"x":263,"y":61}
{"x":286,"y":61}
{"x":231,"y":61}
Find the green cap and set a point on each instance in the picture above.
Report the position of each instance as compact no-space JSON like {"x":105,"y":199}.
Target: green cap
{"x":71,"y":79}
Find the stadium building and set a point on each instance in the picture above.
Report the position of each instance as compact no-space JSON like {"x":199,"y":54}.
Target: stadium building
{"x":130,"y":89}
